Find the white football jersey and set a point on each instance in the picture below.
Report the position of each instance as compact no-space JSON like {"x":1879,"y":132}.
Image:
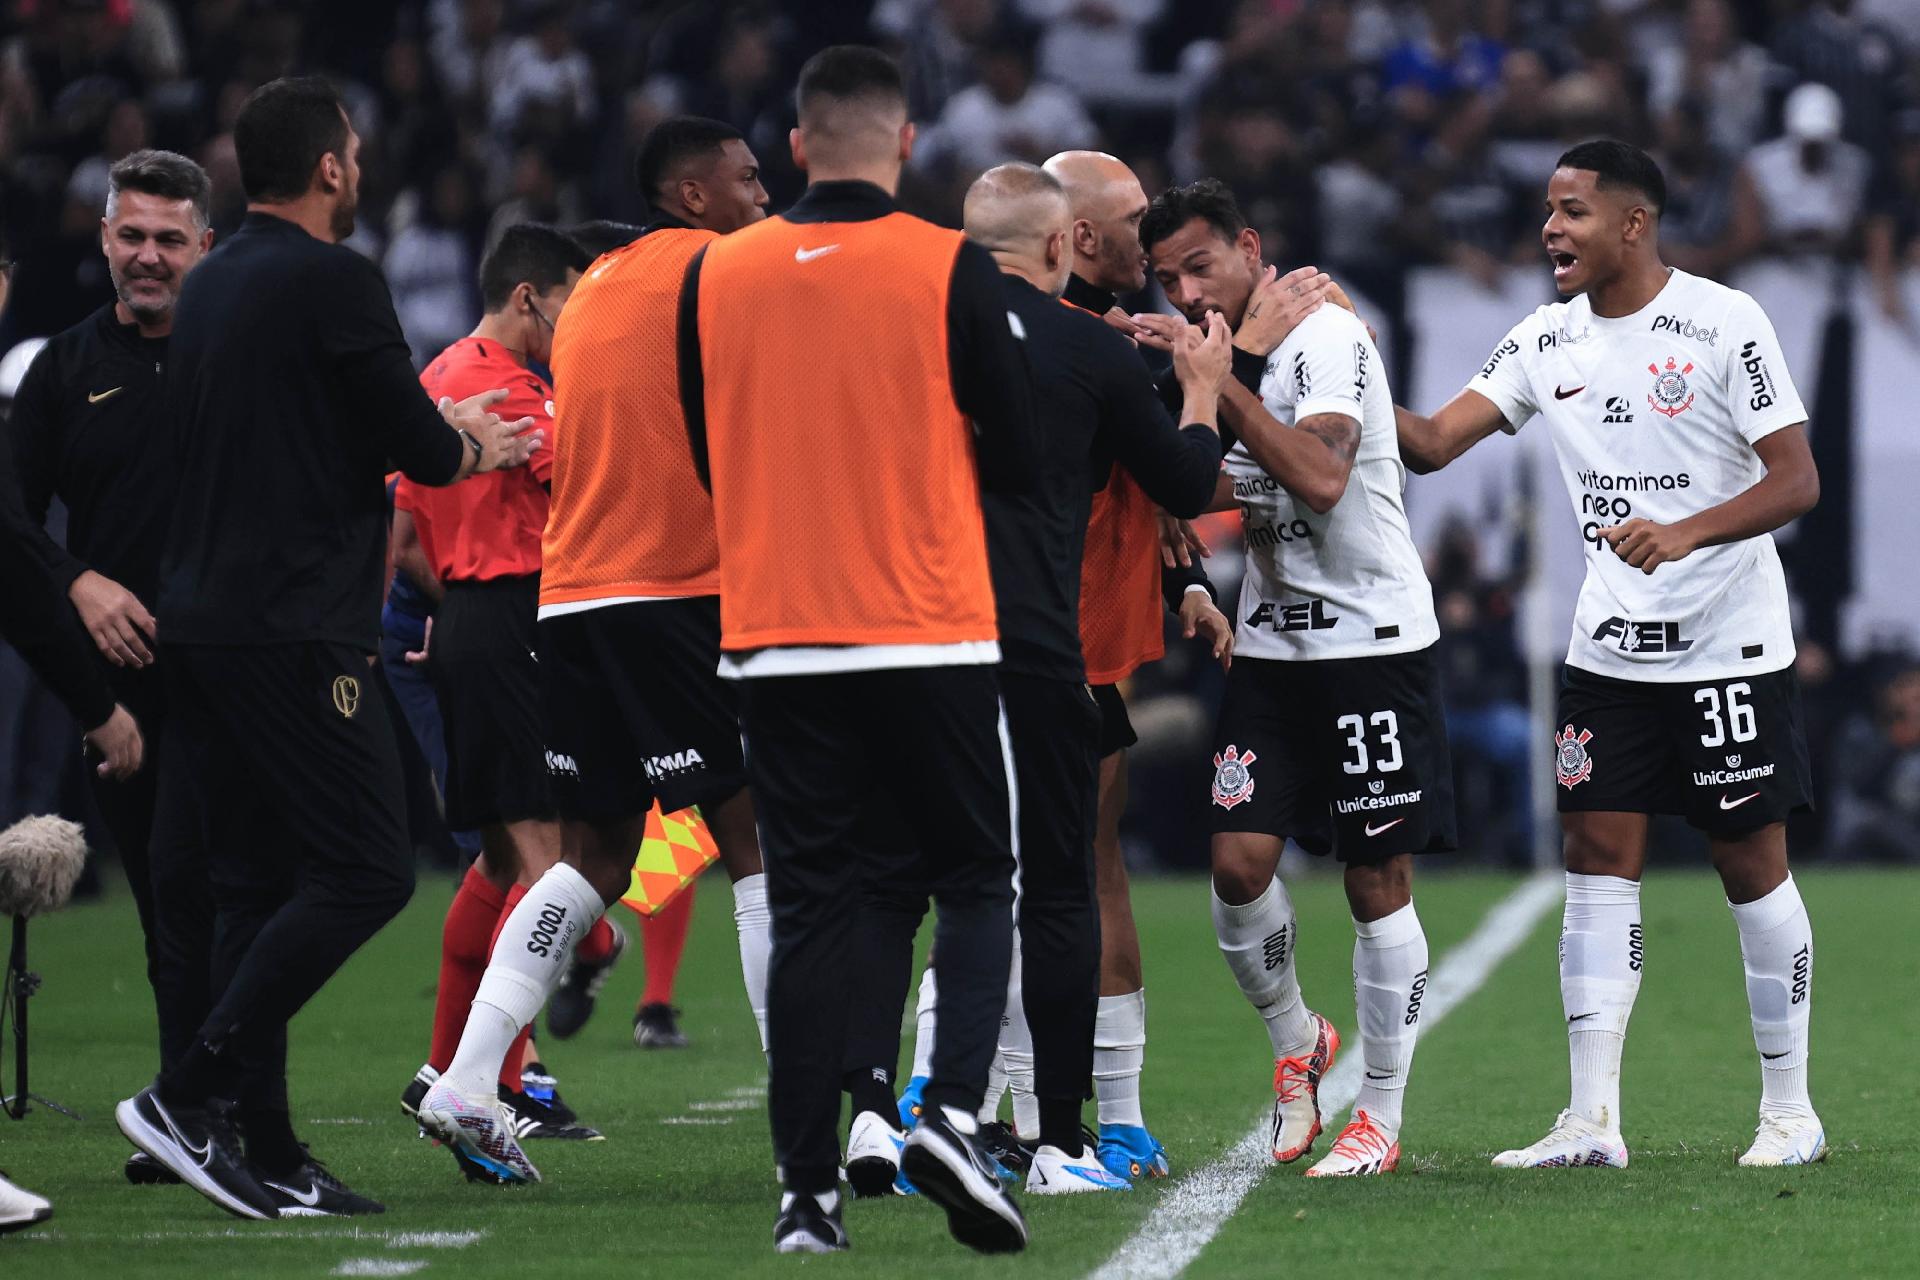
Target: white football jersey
{"x":1655,"y":414}
{"x":1349,"y":583}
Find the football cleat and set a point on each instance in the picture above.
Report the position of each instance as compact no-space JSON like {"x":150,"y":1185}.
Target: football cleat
{"x":539,"y":1084}
{"x":953,"y":1170}
{"x":315,"y":1193}
{"x":1011,"y":1154}
{"x":1786,"y":1140}
{"x":199,"y":1145}
{"x":1130,"y":1152}
{"x":910,"y":1104}
{"x":142,"y":1170}
{"x":1573,"y":1143}
{"x":423,"y":1079}
{"x":1055,"y":1173}
{"x":537,"y":1121}
{"x":657,"y":1026}
{"x":479,"y":1133}
{"x":21,"y":1208}
{"x":873,"y":1156}
{"x":1296,"y":1093}
{"x":804,"y":1227}
{"x":571,"y":1003}
{"x":1362,"y":1148}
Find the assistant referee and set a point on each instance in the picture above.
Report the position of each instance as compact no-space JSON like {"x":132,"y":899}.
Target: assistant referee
{"x":290,"y":389}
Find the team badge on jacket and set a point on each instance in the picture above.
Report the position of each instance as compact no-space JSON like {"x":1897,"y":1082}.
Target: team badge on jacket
{"x":1572,"y":764}
{"x":1232,"y":777}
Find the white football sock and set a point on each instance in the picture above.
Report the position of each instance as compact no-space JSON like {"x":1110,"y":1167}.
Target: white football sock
{"x":923,"y":1025}
{"x":1016,"y":1054}
{"x":1119,"y":1052}
{"x":528,"y":960}
{"x":755,"y":924}
{"x":1601,"y":950}
{"x":996,"y":1089}
{"x":1776,"y":947}
{"x":1389,"y":980}
{"x":1258,"y":941}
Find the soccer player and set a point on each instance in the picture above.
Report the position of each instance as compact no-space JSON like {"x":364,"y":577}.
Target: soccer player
{"x":629,"y":628}
{"x":481,"y":540}
{"x":1330,"y":730}
{"x":85,"y":428}
{"x":289,"y":387}
{"x":851,"y":382}
{"x":1683,"y":445}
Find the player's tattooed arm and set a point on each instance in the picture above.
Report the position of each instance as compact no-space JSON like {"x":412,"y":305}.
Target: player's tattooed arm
{"x":1311,"y":461}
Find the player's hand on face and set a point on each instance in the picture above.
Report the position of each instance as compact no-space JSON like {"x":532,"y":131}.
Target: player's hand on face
{"x":503,"y":442}
{"x":119,"y":743}
{"x":119,"y":624}
{"x":1279,"y":303}
{"x":1158,"y":330}
{"x":1180,"y":542}
{"x":1202,"y":359}
{"x":1200,"y":617}
{"x":1646,"y":545}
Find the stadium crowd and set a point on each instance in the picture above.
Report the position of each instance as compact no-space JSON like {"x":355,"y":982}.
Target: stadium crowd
{"x":1370,"y":137}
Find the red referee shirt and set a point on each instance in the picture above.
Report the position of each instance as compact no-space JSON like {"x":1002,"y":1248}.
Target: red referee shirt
{"x":489,"y":525}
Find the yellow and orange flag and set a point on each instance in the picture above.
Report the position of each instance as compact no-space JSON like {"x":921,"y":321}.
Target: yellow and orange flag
{"x":675,"y":850}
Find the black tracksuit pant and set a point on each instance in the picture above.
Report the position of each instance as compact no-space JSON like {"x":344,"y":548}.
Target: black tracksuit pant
{"x":893,"y":777}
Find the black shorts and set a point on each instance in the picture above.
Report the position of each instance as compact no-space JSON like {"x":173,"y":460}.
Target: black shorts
{"x":1116,"y":727}
{"x":636,"y":710}
{"x":1730,"y":756}
{"x":487,"y":681}
{"x":1054,"y":726}
{"x":1345,"y":755}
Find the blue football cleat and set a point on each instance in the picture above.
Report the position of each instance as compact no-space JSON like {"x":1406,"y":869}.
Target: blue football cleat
{"x":1130,"y":1152}
{"x":910,"y":1103}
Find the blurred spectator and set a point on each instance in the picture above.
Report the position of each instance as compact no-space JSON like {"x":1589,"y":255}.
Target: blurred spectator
{"x":431,"y":268}
{"x":1714,"y":71}
{"x":1877,"y":776}
{"x":938,"y":42}
{"x":1828,"y":42}
{"x":1807,"y":188}
{"x":1893,"y":222}
{"x":544,"y":73}
{"x":126,"y":131}
{"x":469,"y":46}
{"x":1443,"y":62}
{"x":536,"y":194}
{"x":1092,"y":46}
{"x":1007,"y":116}
{"x":1696,"y":226}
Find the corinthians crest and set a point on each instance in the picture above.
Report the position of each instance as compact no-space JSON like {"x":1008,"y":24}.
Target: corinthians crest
{"x":1670,"y":394}
{"x":1572,"y":764}
{"x":1232,"y":781}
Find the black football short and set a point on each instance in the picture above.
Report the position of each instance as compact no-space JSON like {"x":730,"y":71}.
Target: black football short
{"x":636,"y":710}
{"x":1116,"y":727}
{"x":1344,"y":755}
{"x":1730,"y":756}
{"x":487,"y":682}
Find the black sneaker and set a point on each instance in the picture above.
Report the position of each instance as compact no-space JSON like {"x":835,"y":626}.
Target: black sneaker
{"x":1007,"y":1148}
{"x":423,"y":1079}
{"x":539,"y":1084}
{"x":534,"y":1119}
{"x":953,"y":1170}
{"x":315,"y":1193}
{"x":657,"y":1026}
{"x":143,"y":1170}
{"x":804,"y":1227}
{"x":571,"y":1003}
{"x":200,"y":1146}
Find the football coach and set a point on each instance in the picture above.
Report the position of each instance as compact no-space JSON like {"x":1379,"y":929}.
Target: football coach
{"x":290,"y":390}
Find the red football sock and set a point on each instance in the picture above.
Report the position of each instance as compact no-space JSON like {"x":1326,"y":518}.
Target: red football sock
{"x":597,"y":945}
{"x":663,"y":939}
{"x":510,"y":1065}
{"x":466,"y":939}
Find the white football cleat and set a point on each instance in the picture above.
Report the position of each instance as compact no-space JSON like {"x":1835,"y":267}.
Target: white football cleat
{"x":1055,"y":1173}
{"x":873,"y":1155}
{"x":1362,"y":1148}
{"x":1574,"y":1143}
{"x":1296,"y":1092}
{"x":1786,"y":1140}
{"x":479,"y":1132}
{"x":20,"y":1208}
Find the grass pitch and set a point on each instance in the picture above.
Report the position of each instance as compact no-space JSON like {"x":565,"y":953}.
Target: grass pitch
{"x":684,"y":1185}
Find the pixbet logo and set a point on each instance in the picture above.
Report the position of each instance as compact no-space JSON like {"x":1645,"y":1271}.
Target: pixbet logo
{"x":1685,"y":329}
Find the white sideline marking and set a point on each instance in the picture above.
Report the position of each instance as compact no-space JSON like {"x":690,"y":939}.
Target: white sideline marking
{"x":435,"y":1239}
{"x":355,"y":1235}
{"x":1194,"y":1210}
{"x":340,"y":1120}
{"x":729,"y":1104}
{"x":696,"y":1120}
{"x":378,"y":1267}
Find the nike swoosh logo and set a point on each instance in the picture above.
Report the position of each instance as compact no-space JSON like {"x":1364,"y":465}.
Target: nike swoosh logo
{"x":1558,"y":394}
{"x":1372,"y":1076}
{"x":808,"y":255}
{"x":1735,"y":804}
{"x":310,"y":1197}
{"x":95,"y":397}
{"x":1042,"y":1175}
{"x":1374,"y":831}
{"x":1580,"y":1017}
{"x":1771,"y":1056}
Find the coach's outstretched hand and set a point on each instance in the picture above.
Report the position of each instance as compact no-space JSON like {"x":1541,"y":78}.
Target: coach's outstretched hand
{"x":1202,"y":359}
{"x":503,"y":443}
{"x":1199,"y":616}
{"x":120,"y":745}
